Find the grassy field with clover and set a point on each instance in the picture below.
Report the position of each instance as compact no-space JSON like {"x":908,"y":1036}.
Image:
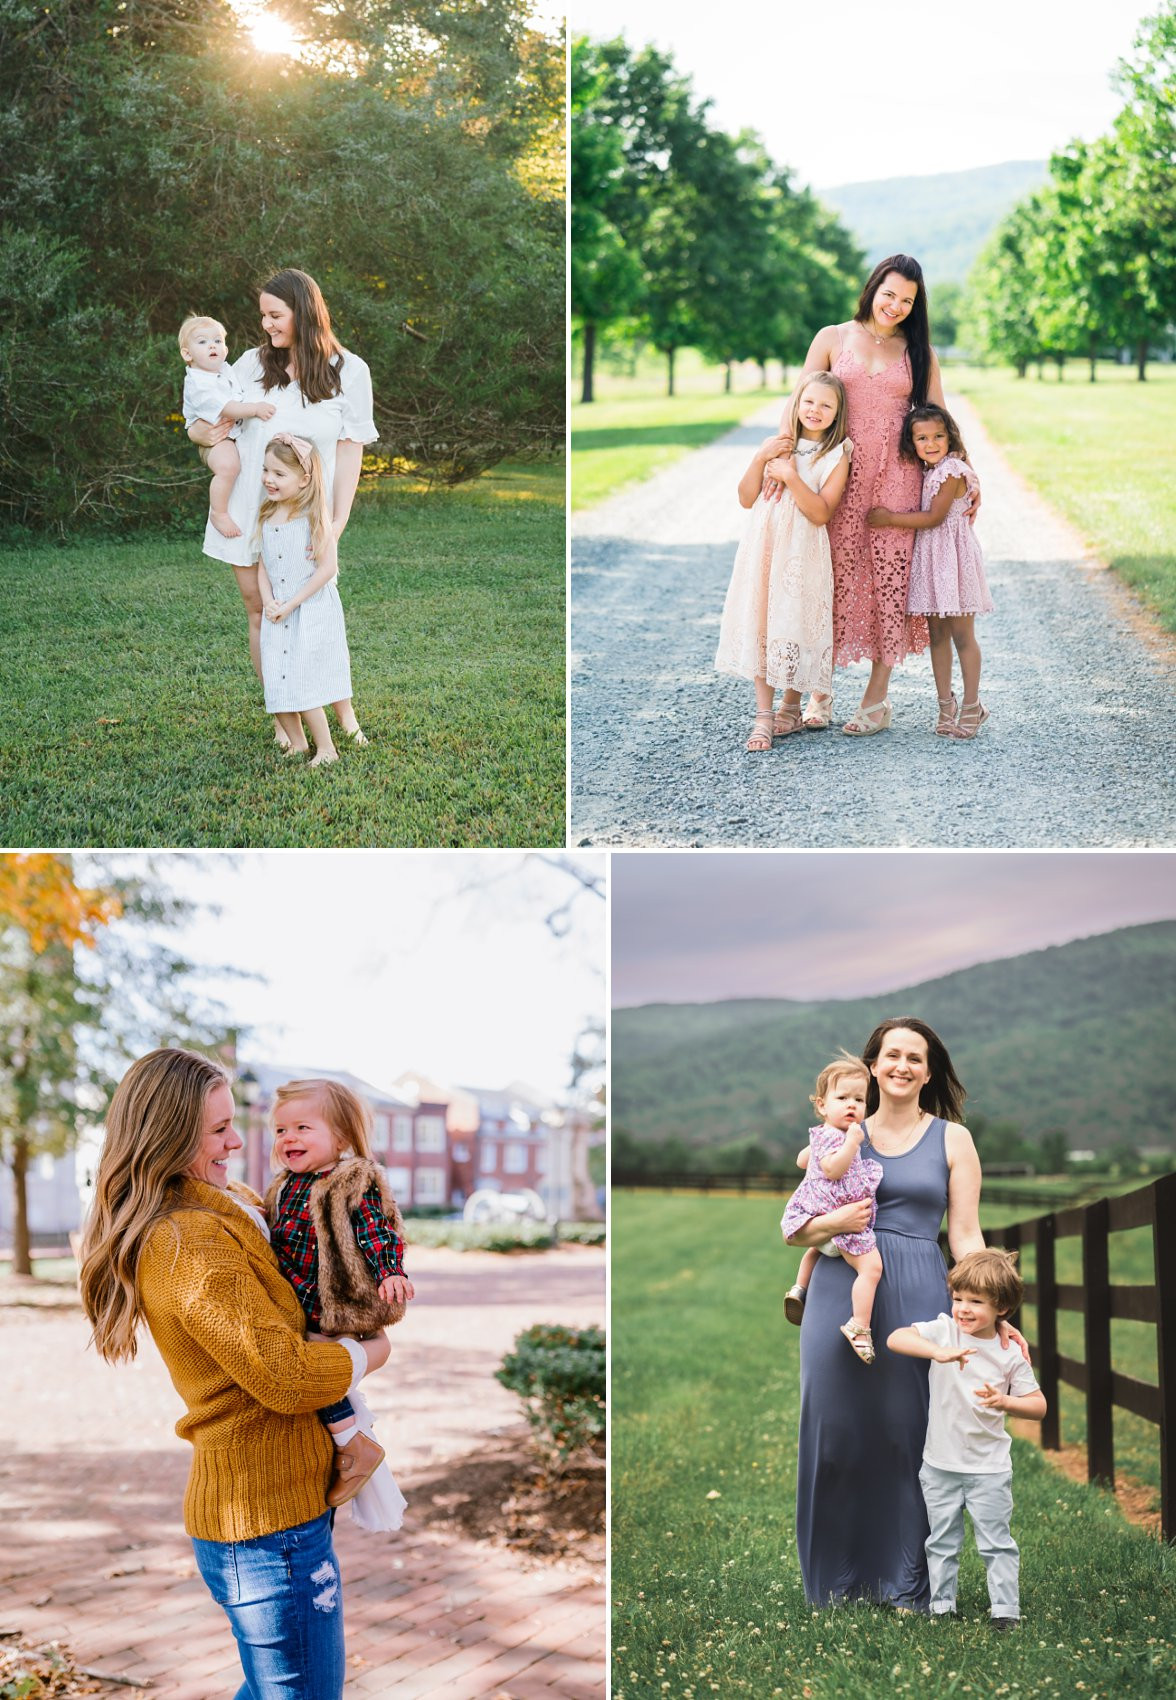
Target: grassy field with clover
{"x":706,"y":1588}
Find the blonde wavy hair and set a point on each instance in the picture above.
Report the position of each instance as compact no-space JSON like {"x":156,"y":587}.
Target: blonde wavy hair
{"x":310,"y":502}
{"x":833,"y":433}
{"x":344,"y":1112}
{"x":154,"y":1129}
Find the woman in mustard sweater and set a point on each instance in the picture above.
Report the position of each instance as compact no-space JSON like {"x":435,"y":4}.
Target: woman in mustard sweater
{"x":169,"y":1242}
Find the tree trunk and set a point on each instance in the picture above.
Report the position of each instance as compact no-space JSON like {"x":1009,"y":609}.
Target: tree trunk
{"x":1092,"y":357}
{"x":21,"y":1262}
{"x":589,"y":356}
{"x":670,"y":352}
{"x":1060,"y":360}
{"x":763,"y":366}
{"x":1141,"y":367}
{"x":727,"y":384}
{"x":1022,"y":368}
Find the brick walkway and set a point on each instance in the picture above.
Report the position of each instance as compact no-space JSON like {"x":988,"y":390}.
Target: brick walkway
{"x":92,"y":1553}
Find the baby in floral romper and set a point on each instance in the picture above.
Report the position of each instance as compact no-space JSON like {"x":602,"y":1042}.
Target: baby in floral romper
{"x":837,"y":1174}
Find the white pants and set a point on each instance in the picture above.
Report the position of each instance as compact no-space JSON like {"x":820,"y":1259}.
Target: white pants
{"x":988,"y":1500}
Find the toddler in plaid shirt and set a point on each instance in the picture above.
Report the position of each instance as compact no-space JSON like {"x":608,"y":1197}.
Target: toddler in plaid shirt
{"x":315,"y":1122}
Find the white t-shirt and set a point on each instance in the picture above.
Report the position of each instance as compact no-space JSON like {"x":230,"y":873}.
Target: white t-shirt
{"x":961,"y":1434}
{"x":205,"y":394}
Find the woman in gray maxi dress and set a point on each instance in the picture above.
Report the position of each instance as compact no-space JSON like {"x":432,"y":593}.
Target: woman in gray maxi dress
{"x":860,"y":1520}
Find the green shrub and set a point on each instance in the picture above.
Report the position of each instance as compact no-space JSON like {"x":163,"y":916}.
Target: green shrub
{"x":583,"y":1233}
{"x":559,"y":1373}
{"x":481,"y":1236}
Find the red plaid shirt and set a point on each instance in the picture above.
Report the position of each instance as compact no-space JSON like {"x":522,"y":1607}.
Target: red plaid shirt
{"x":296,"y":1243}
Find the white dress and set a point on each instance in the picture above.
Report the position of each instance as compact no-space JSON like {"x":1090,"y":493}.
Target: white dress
{"x":304,"y":660}
{"x":324,"y":423}
{"x":778,"y":617}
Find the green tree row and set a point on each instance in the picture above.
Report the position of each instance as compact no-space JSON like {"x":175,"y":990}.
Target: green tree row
{"x":155,"y":164}
{"x":1087,"y":264}
{"x":694,"y":237}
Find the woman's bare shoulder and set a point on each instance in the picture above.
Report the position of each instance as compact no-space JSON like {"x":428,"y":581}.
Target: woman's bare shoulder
{"x":958,"y":1140}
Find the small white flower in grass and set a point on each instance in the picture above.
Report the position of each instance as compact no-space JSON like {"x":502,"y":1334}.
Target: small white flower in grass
{"x":714,"y":1494}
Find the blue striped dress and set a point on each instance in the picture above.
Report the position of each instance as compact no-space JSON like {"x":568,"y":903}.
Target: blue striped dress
{"x":304,"y":659}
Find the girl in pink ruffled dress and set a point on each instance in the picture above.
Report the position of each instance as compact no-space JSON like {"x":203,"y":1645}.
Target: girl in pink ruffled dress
{"x":947,"y":580}
{"x":837,"y":1174}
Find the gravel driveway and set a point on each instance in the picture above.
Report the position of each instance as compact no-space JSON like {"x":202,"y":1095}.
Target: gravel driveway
{"x":1080,"y":689}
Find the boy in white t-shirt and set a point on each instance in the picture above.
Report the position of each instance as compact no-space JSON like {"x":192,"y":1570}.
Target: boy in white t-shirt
{"x":967,"y":1461}
{"x":211,"y":392}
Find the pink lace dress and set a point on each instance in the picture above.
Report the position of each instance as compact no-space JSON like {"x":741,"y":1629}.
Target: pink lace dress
{"x":778,"y":617}
{"x":871,"y":569}
{"x":947,"y":568}
{"x":817,"y":1195}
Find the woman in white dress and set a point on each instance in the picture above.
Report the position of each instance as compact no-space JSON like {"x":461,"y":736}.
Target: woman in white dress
{"x":319,"y":391}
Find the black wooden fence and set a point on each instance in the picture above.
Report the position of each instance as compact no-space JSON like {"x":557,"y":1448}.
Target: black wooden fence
{"x":689,"y":1180}
{"x":1101,"y":1303}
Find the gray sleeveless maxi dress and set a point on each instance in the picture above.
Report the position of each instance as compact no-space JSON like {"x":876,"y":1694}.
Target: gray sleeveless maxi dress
{"x":860,"y":1519}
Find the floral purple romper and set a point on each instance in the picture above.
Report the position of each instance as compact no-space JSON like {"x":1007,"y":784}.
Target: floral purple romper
{"x":817,"y":1195}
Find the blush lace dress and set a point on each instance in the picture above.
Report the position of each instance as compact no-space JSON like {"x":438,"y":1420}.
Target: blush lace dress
{"x":947,"y":568}
{"x":871,"y":569}
{"x":778,"y":617}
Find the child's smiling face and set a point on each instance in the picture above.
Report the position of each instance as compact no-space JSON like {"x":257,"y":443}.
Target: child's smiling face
{"x":282,"y":483}
{"x":818,"y":408}
{"x":844,"y":1102}
{"x":974,"y":1313}
{"x":302,"y":1140}
{"x":931,"y":441}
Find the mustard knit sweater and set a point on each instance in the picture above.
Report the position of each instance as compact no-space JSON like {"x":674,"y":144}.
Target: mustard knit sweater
{"x":230,"y":1330}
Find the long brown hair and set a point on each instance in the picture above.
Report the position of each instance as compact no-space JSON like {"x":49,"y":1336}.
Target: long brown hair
{"x":154,"y":1129}
{"x":915,"y":327}
{"x":943,"y":1095}
{"x":315,"y":350}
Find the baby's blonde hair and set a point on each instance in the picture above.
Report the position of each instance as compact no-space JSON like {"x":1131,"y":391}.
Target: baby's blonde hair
{"x":842,"y":1067}
{"x":310,"y":502}
{"x":344,"y":1112}
{"x":197,"y":322}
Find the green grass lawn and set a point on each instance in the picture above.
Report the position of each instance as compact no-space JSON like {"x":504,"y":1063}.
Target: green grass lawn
{"x":1100,"y":453}
{"x":705,"y":1581}
{"x":134,"y":718}
{"x":633,"y":428}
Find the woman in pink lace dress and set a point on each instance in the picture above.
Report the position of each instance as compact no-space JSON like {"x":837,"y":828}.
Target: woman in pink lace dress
{"x":884,"y":358}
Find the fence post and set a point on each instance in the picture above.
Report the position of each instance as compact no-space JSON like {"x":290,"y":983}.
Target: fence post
{"x":1011,"y":1239}
{"x":1100,"y":1441}
{"x":1047,"y":1331}
{"x":1164,"y":1239}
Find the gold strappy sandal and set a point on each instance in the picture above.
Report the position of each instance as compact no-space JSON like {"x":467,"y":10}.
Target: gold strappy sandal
{"x":860,"y":1338}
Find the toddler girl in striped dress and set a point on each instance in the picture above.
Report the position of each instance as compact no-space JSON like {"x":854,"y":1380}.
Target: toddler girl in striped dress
{"x":304,"y":659}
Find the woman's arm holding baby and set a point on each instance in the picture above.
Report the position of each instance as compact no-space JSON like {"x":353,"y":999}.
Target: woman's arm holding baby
{"x":850,"y":1219}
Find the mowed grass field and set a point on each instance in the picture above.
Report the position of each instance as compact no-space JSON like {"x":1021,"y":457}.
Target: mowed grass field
{"x":134,"y":718}
{"x":705,"y":1581}
{"x":1100,"y":453}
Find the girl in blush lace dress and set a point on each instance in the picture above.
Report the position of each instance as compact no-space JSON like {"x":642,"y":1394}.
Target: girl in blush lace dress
{"x":947,"y":568}
{"x":777,"y":625}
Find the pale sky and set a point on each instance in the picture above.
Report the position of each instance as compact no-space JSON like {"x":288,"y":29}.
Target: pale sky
{"x":692,"y":927}
{"x":860,"y":91}
{"x":380,"y":962}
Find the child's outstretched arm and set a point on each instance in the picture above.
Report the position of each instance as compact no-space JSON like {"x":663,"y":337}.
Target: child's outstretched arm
{"x":935,"y":515}
{"x":248,"y":410}
{"x":909,"y":1343}
{"x":752,"y":481}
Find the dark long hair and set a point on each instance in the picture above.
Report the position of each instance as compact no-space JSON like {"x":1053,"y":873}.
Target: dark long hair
{"x":317,"y":355}
{"x":915,"y":326}
{"x":920,"y":416}
{"x":943,"y":1095}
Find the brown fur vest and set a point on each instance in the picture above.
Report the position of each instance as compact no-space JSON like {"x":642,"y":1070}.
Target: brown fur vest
{"x":348,"y":1295}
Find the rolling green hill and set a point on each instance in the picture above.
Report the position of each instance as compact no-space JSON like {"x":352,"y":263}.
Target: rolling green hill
{"x":944,"y":220}
{"x":1079,"y":1036}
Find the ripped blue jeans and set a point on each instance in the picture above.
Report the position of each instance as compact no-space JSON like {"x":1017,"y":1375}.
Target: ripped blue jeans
{"x":283,"y":1597}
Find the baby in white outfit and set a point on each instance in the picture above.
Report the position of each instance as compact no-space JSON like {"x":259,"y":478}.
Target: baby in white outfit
{"x":212,"y":393}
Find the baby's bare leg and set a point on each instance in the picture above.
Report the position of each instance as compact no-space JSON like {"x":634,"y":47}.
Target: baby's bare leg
{"x":225,"y":465}
{"x":868,"y":1267}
